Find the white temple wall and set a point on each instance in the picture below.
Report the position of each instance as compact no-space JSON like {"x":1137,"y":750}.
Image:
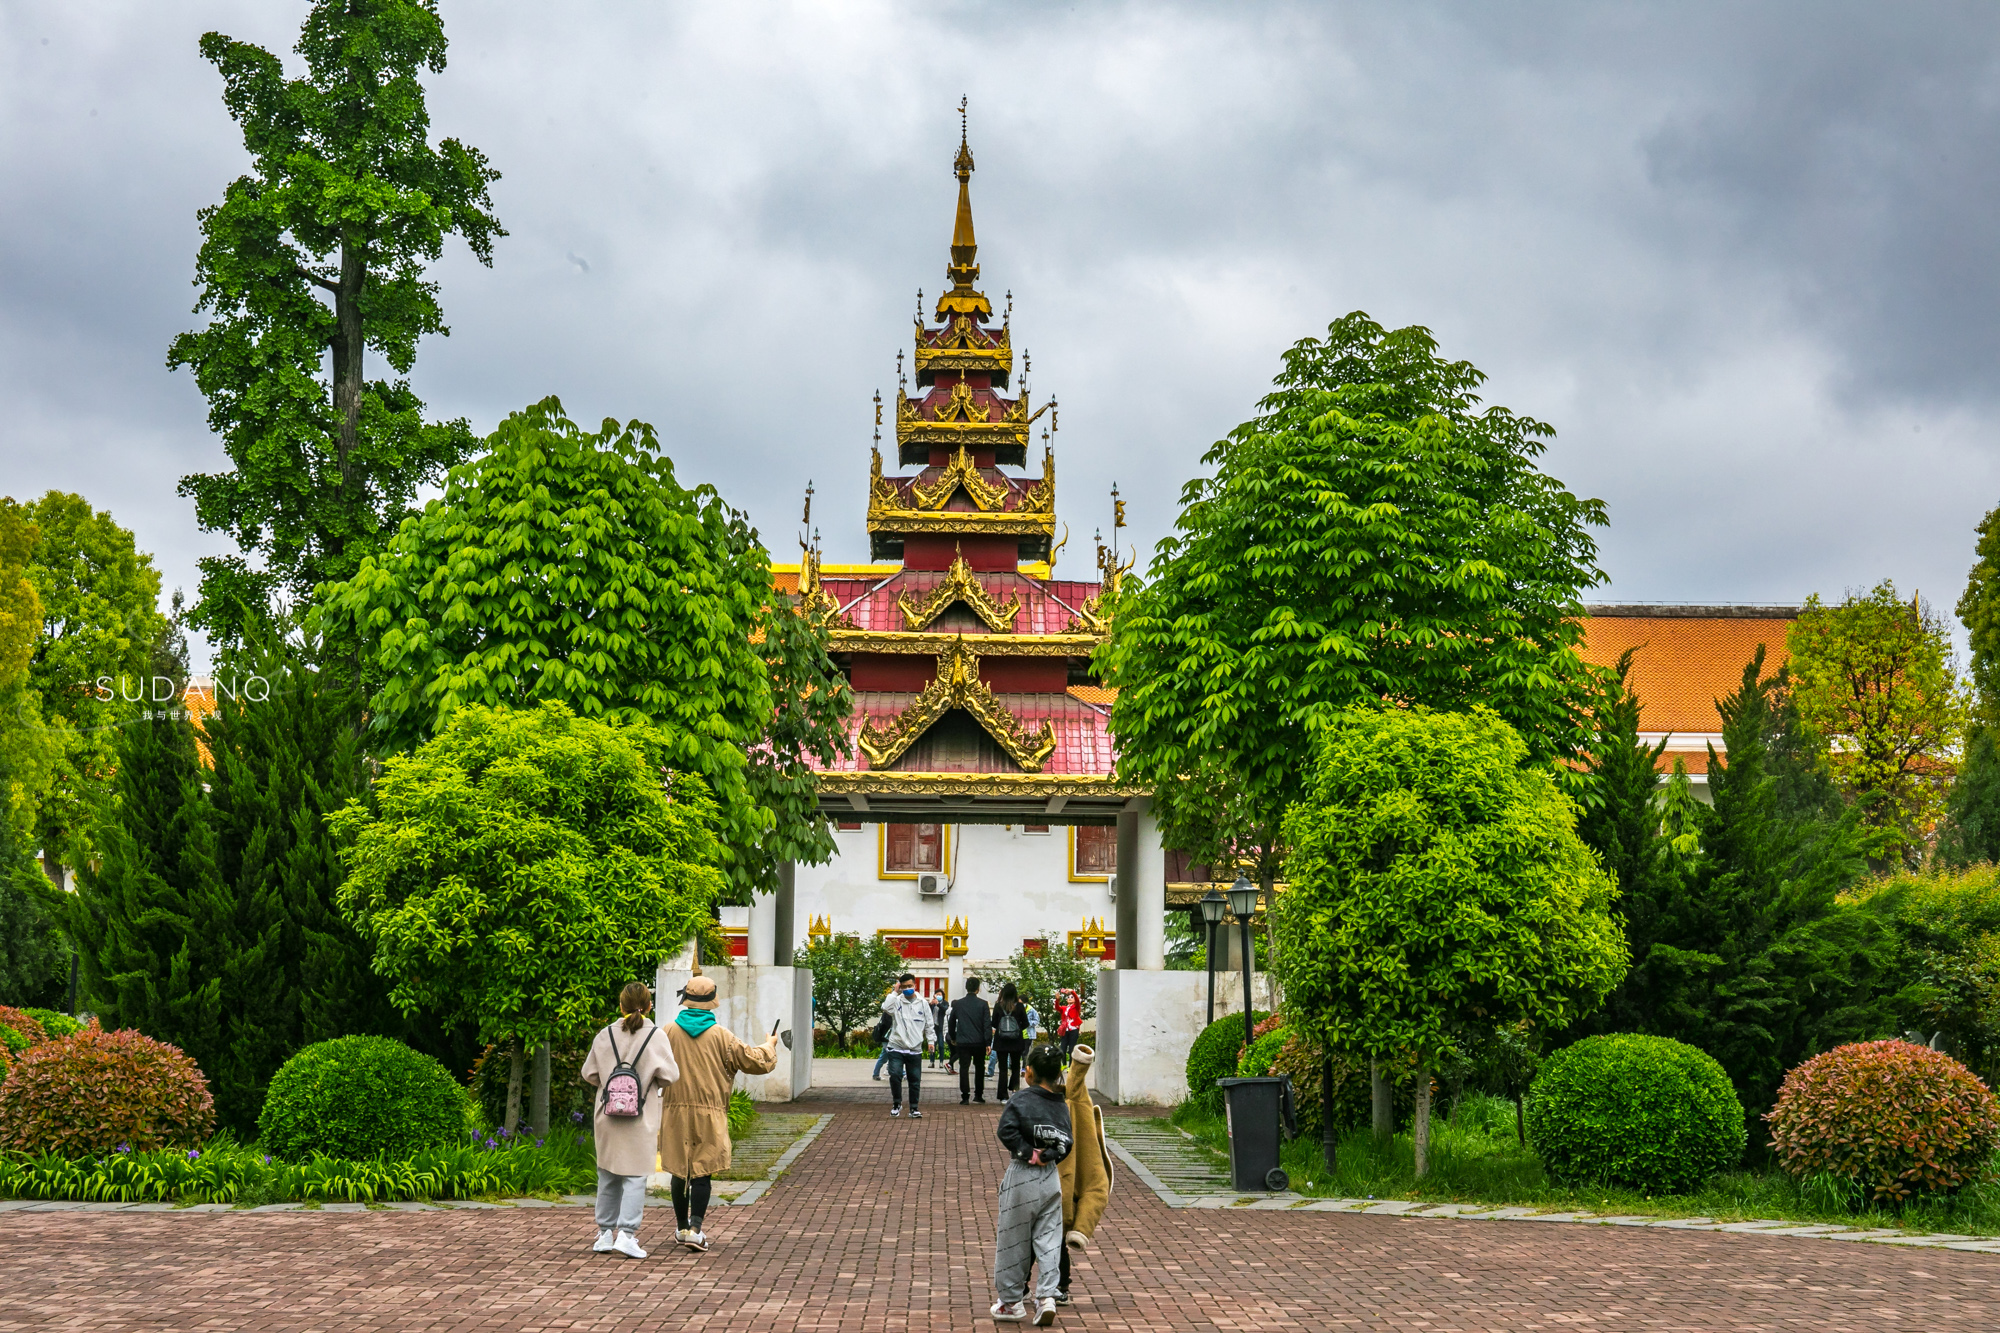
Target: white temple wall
{"x":1007,"y":885}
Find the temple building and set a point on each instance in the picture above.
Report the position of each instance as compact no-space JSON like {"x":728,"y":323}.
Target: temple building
{"x":977,"y":813}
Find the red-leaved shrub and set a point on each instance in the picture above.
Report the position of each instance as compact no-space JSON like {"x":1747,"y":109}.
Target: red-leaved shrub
{"x":1895,"y":1118}
{"x":24,"y":1024}
{"x":95,"y":1091}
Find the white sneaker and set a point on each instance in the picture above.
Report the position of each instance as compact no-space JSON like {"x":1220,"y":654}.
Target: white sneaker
{"x":1009,"y":1312}
{"x":604,"y":1239}
{"x":1045,"y":1311}
{"x":695,"y":1240}
{"x":627,"y":1244}
{"x":895,"y":1110}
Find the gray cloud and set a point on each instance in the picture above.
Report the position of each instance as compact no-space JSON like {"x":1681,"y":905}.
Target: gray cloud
{"x":1741,"y":257}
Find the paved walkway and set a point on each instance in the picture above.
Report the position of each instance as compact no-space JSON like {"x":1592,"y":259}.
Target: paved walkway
{"x":886,"y":1224}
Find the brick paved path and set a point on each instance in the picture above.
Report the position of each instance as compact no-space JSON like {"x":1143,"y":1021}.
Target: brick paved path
{"x":885,"y":1225}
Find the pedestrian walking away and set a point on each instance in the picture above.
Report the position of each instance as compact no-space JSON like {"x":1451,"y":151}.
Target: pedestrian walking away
{"x":971,"y":1029}
{"x":1010,"y":1037}
{"x":909,"y":1030}
{"x":629,"y":1063}
{"x":1087,"y":1175}
{"x":694,"y":1130}
{"x":1035,"y":1130}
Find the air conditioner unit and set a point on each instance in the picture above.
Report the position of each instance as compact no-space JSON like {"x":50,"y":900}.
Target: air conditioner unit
{"x":933,"y":886}
{"x":1112,"y":885}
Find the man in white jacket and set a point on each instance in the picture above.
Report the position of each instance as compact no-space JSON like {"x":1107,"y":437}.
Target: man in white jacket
{"x":909,"y":1032}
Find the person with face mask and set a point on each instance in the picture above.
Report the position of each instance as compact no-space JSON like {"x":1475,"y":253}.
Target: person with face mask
{"x":909,"y":1032}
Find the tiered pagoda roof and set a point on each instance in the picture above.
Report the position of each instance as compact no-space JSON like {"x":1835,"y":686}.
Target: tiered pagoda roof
{"x":970,"y":661}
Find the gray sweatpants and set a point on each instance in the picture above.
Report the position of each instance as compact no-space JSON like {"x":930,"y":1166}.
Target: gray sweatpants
{"x":1030,"y":1232}
{"x":619,"y":1201}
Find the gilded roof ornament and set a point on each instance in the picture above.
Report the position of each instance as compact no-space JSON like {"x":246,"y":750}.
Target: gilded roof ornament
{"x":963,"y":270}
{"x":957,"y":685}
{"x":987,"y":495}
{"x":960,"y":585}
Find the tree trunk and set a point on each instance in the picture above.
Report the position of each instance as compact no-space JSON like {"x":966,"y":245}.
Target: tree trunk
{"x":1328,"y":1133}
{"x":517,"y":1061}
{"x":1383,"y":1102}
{"x":538,"y":1100}
{"x":52,"y":868}
{"x":1420,"y":1131}
{"x":348,"y":340}
{"x":1520,"y":1123}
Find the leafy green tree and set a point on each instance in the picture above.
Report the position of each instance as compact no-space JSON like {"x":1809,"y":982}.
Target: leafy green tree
{"x":1370,"y":536}
{"x":522,"y":865}
{"x":851,"y":975}
{"x":572,"y":566}
{"x":31,"y":952}
{"x":1053,"y":967}
{"x":312,"y":259}
{"x":1437,"y":887}
{"x":100,"y":600}
{"x":1971,"y":829}
{"x":1878,"y":677}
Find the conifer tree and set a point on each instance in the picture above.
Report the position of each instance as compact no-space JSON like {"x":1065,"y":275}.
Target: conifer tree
{"x":139,"y":915}
{"x":1970,"y":832}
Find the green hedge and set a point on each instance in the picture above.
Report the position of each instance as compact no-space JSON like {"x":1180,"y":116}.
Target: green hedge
{"x":360,"y":1097}
{"x":1214,"y":1055}
{"x":54,"y":1024}
{"x":1644,"y":1113}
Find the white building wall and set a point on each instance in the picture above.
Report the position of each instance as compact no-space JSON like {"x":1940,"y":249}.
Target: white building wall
{"x":1006,"y":884}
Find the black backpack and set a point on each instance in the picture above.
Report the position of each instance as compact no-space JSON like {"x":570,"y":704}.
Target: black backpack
{"x":1008,"y":1025}
{"x":882,"y":1026}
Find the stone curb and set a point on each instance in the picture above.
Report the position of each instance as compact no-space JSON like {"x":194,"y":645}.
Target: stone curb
{"x":778,"y":1168}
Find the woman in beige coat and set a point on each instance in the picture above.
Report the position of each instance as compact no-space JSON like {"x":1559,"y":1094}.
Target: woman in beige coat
{"x":694,"y":1132}
{"x":625,"y":1143}
{"x":1086,"y":1172}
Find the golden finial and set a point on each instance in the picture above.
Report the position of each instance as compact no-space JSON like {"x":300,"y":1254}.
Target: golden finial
{"x":808,"y":519}
{"x":964,"y":267}
{"x":1009,"y":318}
{"x":878,"y":418}
{"x":902,"y":384}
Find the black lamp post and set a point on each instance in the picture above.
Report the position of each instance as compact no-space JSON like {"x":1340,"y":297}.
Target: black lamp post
{"x":1213,"y":905}
{"x":1243,"y":905}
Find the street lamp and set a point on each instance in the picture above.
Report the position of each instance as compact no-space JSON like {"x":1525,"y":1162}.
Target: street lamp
{"x":1243,"y":905}
{"x":1213,"y":905}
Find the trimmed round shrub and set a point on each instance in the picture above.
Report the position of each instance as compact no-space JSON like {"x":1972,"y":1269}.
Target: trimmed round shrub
{"x":1644,"y":1113}
{"x":53,"y":1023}
{"x":96,"y":1091}
{"x":360,"y":1097}
{"x":1258,"y":1055}
{"x":1893,"y":1118}
{"x":1214,"y":1054}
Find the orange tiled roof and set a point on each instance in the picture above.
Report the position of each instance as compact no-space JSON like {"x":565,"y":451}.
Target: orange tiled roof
{"x":1689,"y":656}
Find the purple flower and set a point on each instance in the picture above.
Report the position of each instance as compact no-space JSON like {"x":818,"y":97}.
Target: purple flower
{"x":538,"y":1143}
{"x":491,"y":1144}
{"x":267,"y":1159}
{"x":124,"y":1147}
{"x":576,"y":1117}
{"x":194,"y":1154}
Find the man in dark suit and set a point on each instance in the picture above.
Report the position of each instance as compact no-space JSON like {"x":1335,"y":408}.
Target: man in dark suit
{"x":971,"y":1024}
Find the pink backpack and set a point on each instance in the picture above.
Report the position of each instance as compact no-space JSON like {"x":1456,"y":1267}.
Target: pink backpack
{"x":621,"y":1091}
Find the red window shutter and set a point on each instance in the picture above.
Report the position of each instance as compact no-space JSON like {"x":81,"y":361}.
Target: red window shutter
{"x":900,"y":847}
{"x":1110,"y":949}
{"x":849,"y":824}
{"x":1034,"y":828}
{"x":929,"y":846}
{"x":1096,"y":850}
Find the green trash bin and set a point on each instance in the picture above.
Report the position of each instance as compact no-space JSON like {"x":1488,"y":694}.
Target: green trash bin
{"x":1260,"y":1120}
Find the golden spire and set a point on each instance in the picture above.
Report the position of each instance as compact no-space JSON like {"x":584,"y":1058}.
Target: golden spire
{"x":963,"y":270}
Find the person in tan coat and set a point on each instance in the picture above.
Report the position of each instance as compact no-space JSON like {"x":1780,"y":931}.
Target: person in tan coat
{"x":625,"y":1142}
{"x":1086,"y":1173}
{"x":694,"y":1132}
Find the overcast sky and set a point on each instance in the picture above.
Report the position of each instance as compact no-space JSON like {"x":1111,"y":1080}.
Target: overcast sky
{"x":1742,"y":257}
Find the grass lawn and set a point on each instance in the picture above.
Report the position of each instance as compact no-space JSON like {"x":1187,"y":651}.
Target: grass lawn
{"x":1476,"y":1158}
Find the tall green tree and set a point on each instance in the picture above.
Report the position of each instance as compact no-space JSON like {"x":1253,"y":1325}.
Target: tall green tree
{"x":521,"y":866}
{"x":1971,"y":829}
{"x":31,"y":953}
{"x":571,"y":565}
{"x":313,"y":258}
{"x":1878,"y":677}
{"x":1371,"y":536}
{"x":145,"y":916}
{"x":1437,"y":888}
{"x":101,"y":617}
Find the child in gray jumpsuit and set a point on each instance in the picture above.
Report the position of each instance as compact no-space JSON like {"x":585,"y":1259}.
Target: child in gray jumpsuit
{"x":1035,"y":1129}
